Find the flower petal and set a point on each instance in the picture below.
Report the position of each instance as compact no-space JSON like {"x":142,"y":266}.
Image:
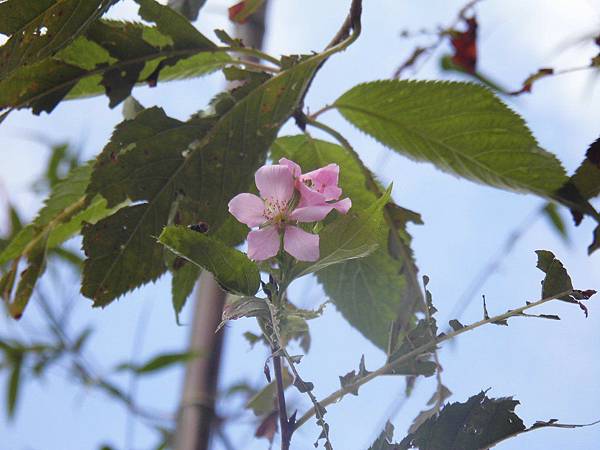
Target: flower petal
{"x":263,"y":244}
{"x":248,"y":209}
{"x":327,"y":175}
{"x":312,"y":213}
{"x":301,"y":245}
{"x":332,"y":192}
{"x":343,"y":205}
{"x":294,"y":167}
{"x":309,"y":196}
{"x":275,"y":183}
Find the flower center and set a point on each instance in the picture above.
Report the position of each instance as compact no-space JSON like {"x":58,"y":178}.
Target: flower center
{"x":275,"y":210}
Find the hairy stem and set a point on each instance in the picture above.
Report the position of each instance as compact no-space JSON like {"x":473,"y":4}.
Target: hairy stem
{"x":387,"y":368}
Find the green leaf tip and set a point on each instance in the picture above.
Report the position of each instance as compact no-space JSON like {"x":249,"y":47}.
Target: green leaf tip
{"x":230,"y":267}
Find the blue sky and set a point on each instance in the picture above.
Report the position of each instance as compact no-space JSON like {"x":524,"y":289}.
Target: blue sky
{"x":551,"y":367}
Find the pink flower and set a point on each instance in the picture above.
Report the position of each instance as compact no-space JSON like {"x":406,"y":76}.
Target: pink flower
{"x":319,"y":187}
{"x":276,"y":213}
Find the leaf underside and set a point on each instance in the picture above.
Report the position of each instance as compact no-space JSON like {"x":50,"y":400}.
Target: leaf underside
{"x":461,"y":128}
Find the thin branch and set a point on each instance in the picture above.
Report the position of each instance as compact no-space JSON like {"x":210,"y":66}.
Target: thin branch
{"x":284,"y":425}
{"x":540,"y":426}
{"x":352,"y":23}
{"x":549,"y":72}
{"x":493,"y":264}
{"x":429,"y":50}
{"x":318,"y":410}
{"x":390,"y":366}
{"x":313,"y":116}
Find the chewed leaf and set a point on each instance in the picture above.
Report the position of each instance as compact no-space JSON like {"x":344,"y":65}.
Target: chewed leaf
{"x":557,"y":281}
{"x":112,"y":57}
{"x":232,"y":268}
{"x":479,"y":423}
{"x":384,"y":441}
{"x":181,"y":173}
{"x":38,"y":29}
{"x":245,"y":307}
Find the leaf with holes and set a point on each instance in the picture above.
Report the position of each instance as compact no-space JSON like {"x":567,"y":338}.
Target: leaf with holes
{"x":557,"y":281}
{"x":112,"y":57}
{"x":38,"y":29}
{"x":180,"y":173}
{"x":479,"y":423}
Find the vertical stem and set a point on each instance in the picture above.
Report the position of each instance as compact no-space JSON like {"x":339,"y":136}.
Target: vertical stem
{"x":286,"y":436}
{"x":197,"y":418}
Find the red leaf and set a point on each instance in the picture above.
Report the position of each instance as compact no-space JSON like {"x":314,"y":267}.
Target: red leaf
{"x":528,"y":83}
{"x":235,"y":10}
{"x":268,"y":427}
{"x":465,"y":46}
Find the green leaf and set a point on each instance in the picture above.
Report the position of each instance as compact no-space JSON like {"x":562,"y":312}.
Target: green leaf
{"x":245,"y":307}
{"x":474,"y":425}
{"x":39,"y":28}
{"x":160,"y":362}
{"x":554,"y":217}
{"x":595,"y":245}
{"x":263,"y":401}
{"x":374,"y":291}
{"x":586,"y":178}
{"x":61,"y":217}
{"x":14,"y":382}
{"x":39,"y":87}
{"x":185,"y":276}
{"x":113,"y":57}
{"x":557,"y":279}
{"x":36,"y":260}
{"x":180,"y":173}
{"x":230,"y":267}
{"x":384,"y":441}
{"x":350,"y":237}
{"x":462,"y":128}
{"x":173,"y":24}
{"x":583,"y":186}
{"x":187,"y":8}
{"x":480,"y":423}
